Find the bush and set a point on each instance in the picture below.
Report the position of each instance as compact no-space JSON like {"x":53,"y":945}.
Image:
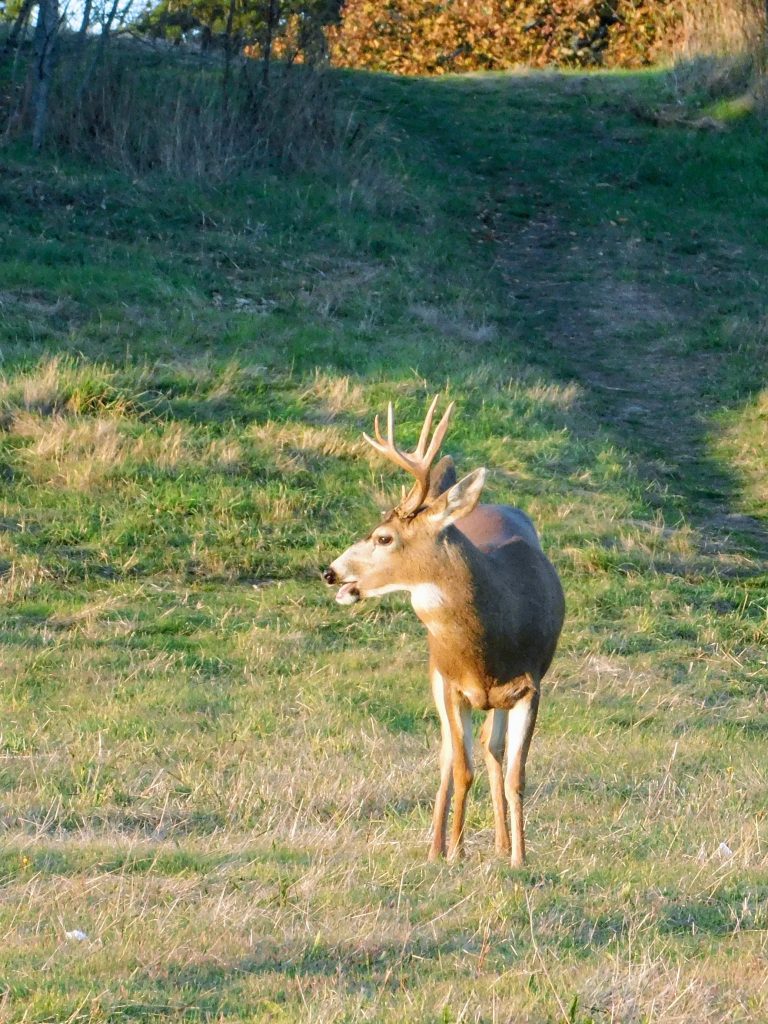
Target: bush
{"x":433,"y":37}
{"x":144,"y":108}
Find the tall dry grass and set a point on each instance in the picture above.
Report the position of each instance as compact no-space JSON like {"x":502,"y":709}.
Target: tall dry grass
{"x":144,"y":107}
{"x":721,"y":50}
{"x":720,"y":27}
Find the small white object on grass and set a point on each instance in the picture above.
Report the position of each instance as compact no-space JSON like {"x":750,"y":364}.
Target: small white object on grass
{"x":725,"y":851}
{"x":77,"y":935}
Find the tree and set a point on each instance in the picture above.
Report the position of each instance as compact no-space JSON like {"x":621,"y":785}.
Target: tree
{"x":46,"y":33}
{"x":261,"y":27}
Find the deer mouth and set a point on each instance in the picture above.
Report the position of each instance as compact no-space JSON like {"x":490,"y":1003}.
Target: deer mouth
{"x":348,"y":593}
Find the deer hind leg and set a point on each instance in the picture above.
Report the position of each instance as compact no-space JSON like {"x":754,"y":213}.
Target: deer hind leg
{"x":494,"y":739}
{"x":520,"y":726}
{"x":445,"y":789}
{"x":460,"y":720}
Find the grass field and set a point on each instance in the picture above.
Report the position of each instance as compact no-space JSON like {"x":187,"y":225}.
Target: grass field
{"x":222,"y":779}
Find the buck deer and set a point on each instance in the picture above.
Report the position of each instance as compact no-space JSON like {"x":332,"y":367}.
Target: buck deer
{"x":493,"y":607}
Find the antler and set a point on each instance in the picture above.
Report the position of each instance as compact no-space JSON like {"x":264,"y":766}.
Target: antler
{"x":418,"y":462}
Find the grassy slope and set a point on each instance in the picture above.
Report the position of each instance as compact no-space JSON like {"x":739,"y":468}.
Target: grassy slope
{"x":223,"y":779}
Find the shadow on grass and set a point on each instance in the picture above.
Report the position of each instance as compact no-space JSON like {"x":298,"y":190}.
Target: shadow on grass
{"x":630,"y":258}
{"x":368,"y":967}
{"x":382,"y":965}
{"x":627,"y":257}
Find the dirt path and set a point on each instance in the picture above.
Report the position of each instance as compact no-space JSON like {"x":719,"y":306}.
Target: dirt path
{"x":651,"y":323}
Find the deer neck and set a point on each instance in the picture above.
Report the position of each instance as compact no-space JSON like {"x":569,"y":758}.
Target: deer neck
{"x":446,"y":600}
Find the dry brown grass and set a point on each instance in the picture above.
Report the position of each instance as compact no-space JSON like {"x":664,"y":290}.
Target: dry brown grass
{"x":311,"y":891}
{"x":336,"y":396}
{"x":81,"y":452}
{"x":743,"y":441}
{"x":19,"y":574}
{"x":226,"y":781}
{"x":106,"y":107}
{"x":654,"y":988}
{"x":454,"y":323}
{"x":720,"y":27}
{"x":70,"y":452}
{"x":721,"y":54}
{"x":335,"y":281}
{"x":299,"y":448}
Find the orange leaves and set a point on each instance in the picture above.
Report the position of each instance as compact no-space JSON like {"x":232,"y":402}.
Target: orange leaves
{"x":429,"y":37}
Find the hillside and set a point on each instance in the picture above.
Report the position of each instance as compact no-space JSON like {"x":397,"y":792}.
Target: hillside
{"x":223,"y":779}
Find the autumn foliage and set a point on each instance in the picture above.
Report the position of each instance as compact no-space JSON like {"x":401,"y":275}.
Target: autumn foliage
{"x":433,"y":37}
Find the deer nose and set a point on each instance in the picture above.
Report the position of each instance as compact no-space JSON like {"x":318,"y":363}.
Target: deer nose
{"x":330,"y":576}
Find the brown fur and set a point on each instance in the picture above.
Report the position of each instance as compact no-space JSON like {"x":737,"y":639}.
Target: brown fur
{"x":493,"y":607}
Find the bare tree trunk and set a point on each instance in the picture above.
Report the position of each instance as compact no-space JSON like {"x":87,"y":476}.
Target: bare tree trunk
{"x":19,"y":24}
{"x":46,"y":30}
{"x":106,"y":28}
{"x":86,"y":20}
{"x":228,"y":46}
{"x":273,"y":12}
{"x":18,"y":98}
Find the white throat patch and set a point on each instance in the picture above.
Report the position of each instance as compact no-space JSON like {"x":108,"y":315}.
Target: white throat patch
{"x":426,"y":597}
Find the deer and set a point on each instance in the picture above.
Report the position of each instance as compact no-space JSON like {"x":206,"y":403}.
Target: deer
{"x":493,"y":607}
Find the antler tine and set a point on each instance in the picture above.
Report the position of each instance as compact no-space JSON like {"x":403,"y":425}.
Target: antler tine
{"x":418,"y":462}
{"x":439,"y":434}
{"x":377,"y":432}
{"x":370,"y":440}
{"x":421,"y":446}
{"x":386,"y":447}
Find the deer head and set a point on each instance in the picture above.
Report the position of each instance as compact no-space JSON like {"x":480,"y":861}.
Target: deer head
{"x":401,"y":552}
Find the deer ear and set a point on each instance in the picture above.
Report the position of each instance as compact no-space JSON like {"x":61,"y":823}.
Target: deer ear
{"x":442,"y":476}
{"x":458,"y":501}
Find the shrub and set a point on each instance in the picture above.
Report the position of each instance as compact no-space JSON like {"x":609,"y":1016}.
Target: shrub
{"x":145,"y":107}
{"x":432,"y":37}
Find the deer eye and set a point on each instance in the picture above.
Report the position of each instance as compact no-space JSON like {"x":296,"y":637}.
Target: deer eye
{"x":384,"y":538}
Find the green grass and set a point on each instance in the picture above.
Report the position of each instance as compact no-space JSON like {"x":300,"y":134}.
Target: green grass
{"x":225,"y":780}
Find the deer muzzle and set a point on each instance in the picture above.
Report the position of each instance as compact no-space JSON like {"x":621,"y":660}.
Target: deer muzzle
{"x":348,"y":592}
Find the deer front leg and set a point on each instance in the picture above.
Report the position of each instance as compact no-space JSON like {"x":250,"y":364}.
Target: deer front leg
{"x":494,"y":739}
{"x":521,"y":722}
{"x":445,"y":789}
{"x":460,"y":720}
